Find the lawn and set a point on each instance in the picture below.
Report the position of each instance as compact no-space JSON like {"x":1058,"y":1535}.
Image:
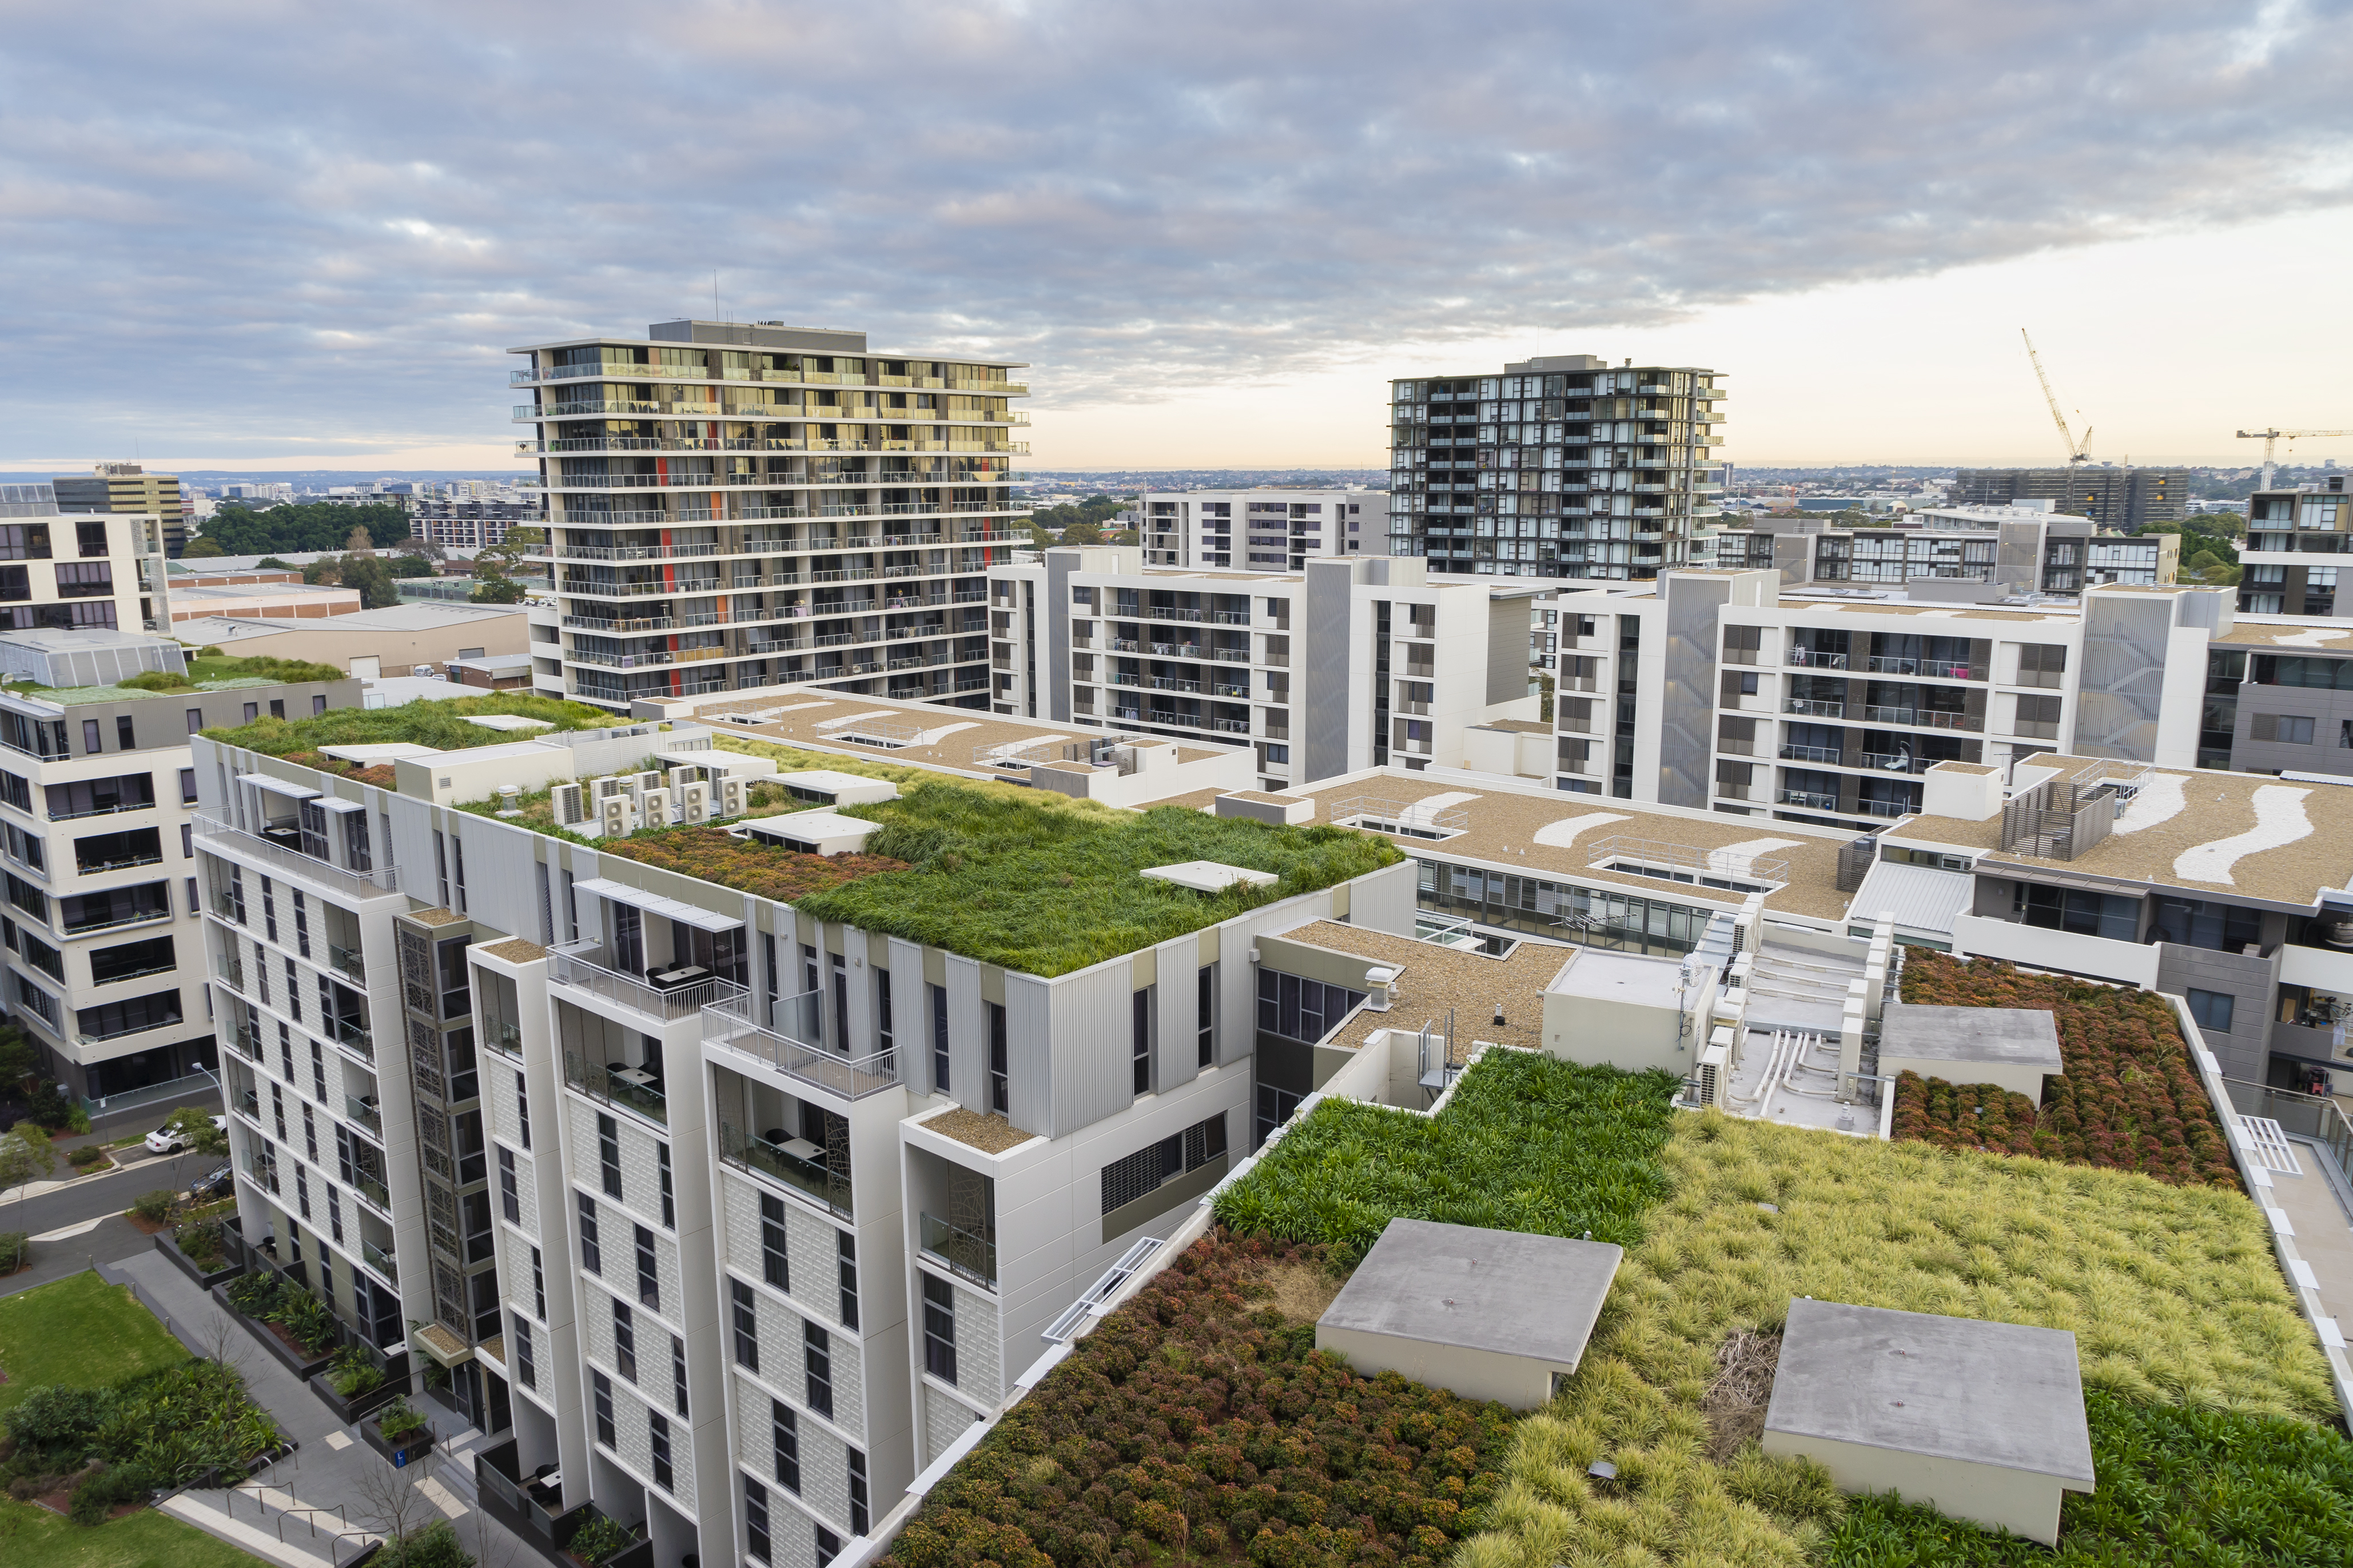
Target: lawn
{"x":33,"y":1537}
{"x":80,"y":1332}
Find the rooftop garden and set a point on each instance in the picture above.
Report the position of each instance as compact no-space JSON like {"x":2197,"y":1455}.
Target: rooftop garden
{"x":2130,"y":1099}
{"x":1199,"y":1424}
{"x":209,"y":670}
{"x":440,"y":724}
{"x":714,"y":854}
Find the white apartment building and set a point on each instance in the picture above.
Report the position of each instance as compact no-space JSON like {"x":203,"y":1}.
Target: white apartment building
{"x":2000,"y":550}
{"x":1263,"y":530}
{"x":2296,"y":540}
{"x":733,"y":1217}
{"x":732,"y":506}
{"x":1340,"y":665}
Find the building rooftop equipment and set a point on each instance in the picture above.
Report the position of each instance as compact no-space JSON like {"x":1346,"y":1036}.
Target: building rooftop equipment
{"x":1208,"y":875}
{"x":1951,"y":1412}
{"x":1490,"y":1314}
{"x":2016,"y":1048}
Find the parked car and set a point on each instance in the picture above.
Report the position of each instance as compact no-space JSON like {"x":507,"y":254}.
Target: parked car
{"x":164,"y":1141}
{"x":217,"y":1183}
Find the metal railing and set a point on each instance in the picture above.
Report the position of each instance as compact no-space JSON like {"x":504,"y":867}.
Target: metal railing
{"x":599,"y":1082}
{"x":1398,"y":817}
{"x":1797,"y":753}
{"x":374,"y":1190}
{"x":577,"y":966}
{"x":353,"y":1037}
{"x":1810,"y":799}
{"x":2301,"y":1115}
{"x":347,"y":961}
{"x":851,"y":1078}
{"x":969,"y":1255}
{"x":810,"y":1178}
{"x":1685,"y":862}
{"x":367,"y":1115}
{"x":377,"y":1258}
{"x":352,"y":884}
{"x":1815,"y":709}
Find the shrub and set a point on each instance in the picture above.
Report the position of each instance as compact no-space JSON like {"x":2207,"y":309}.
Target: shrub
{"x":1192,"y":1421}
{"x":1528,"y":1142}
{"x":310,"y":1321}
{"x":256,"y":1294}
{"x":50,"y":1419}
{"x":203,"y":1243}
{"x":598,"y":1539}
{"x":435,"y":1546}
{"x":353,"y":1374}
{"x":2129,"y":1099}
{"x":103,"y":1489}
{"x":86,"y":1156}
{"x":398,"y":1419}
{"x":155,"y":1206}
{"x":714,"y":854}
{"x":15,"y":1250}
{"x":50,"y":1108}
{"x":158,"y":681}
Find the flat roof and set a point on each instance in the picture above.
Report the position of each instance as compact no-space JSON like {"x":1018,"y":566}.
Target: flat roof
{"x":2307,"y":636}
{"x":1433,"y":980}
{"x":2010,"y":1036}
{"x":1950,"y":1388}
{"x":1920,"y":898}
{"x":1500,"y":1290}
{"x":1604,"y":975}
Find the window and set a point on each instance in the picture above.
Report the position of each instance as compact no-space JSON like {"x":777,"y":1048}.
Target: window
{"x":195,"y":723}
{"x":755,"y":1521}
{"x":2198,"y":923}
{"x":817,"y":1360}
{"x":939,"y":1329}
{"x":90,"y":743}
{"x":625,"y":1339}
{"x":1000,"y":1078}
{"x":334,"y":1214}
{"x":592,"y":1256}
{"x":523,"y":1110}
{"x":859,"y":1516}
{"x":604,"y":1388}
{"x":1141,"y":1173}
{"x":784,"y":1437}
{"x":526,"y":1370}
{"x":608,"y":1154}
{"x":846,"y":1250}
{"x":776,"y":1266}
{"x":747,"y":1326}
{"x":510,"y":1195}
{"x":1205,"y":1015}
{"x":302,"y":1191}
{"x":668,"y":1193}
{"x":2287,"y":727}
{"x":538,"y":1286}
{"x":678,"y":1375}
{"x":657,"y":1433}
{"x":939,"y":995}
{"x":1139,"y":1048}
{"x":828,"y":1546}
{"x":881,"y":1010}
{"x":2211,"y":1009}
{"x":1300,"y":1009}
{"x":125,"y":735}
{"x":648,"y":1277}
{"x":2085,"y":913}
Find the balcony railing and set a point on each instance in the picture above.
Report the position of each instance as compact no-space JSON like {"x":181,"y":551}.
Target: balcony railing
{"x":1811,"y":753}
{"x":1812,"y":660}
{"x":352,"y":884}
{"x":1811,"y":799}
{"x":1885,"y":807}
{"x":1895,"y":761}
{"x":503,"y":1038}
{"x":577,"y":965}
{"x":612,"y":1085}
{"x":970,"y":1257}
{"x":1814,"y":709}
{"x":352,"y":1037}
{"x":850,"y":1077}
{"x":373,"y":1191}
{"x":810,"y":1178}
{"x":347,"y":961}
{"x":377,"y":1258}
{"x":363,"y":1113}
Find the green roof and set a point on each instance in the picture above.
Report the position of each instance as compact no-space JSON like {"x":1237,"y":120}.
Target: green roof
{"x":438,"y":723}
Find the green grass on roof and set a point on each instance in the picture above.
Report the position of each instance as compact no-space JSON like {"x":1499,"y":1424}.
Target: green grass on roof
{"x":1046,"y":884}
{"x":440,"y":724}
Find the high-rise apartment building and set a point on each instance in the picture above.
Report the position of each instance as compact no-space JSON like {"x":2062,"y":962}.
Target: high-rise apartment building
{"x":1258,"y":529}
{"x":129,"y":487}
{"x":2009,"y":550}
{"x":732,"y":506}
{"x":1558,"y":468}
{"x":2297,"y":541}
{"x":2127,"y":499}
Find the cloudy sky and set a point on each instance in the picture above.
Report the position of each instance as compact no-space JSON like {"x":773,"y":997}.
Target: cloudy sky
{"x":299,"y":235}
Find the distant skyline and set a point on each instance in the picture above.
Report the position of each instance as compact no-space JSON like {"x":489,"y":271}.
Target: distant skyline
{"x":1215,"y":231}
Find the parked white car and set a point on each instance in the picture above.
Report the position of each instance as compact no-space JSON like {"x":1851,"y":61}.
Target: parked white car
{"x":164,"y":1141}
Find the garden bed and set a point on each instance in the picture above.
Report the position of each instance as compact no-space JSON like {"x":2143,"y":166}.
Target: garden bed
{"x":403,"y":1448}
{"x":715,"y":856}
{"x":1199,"y":1424}
{"x":221,"y":1271}
{"x":2129,"y":1099}
{"x":295,"y":1357}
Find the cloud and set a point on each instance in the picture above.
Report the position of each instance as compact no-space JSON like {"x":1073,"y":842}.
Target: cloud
{"x":218,"y":221}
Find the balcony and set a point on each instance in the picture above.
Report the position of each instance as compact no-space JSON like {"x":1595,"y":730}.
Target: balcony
{"x":352,"y":1038}
{"x":576,"y":964}
{"x":363,"y":1113}
{"x":347,"y":962}
{"x":1814,"y":710}
{"x":372,"y":1189}
{"x":377,"y":1258}
{"x":850,"y":1077}
{"x":253,"y":847}
{"x":1796,"y":753}
{"x":503,"y":1038}
{"x":1807,"y":658}
{"x":774,"y":1156}
{"x":618,"y":1083}
{"x":969,"y":1257}
{"x":1885,"y":807}
{"x":1810,"y":799}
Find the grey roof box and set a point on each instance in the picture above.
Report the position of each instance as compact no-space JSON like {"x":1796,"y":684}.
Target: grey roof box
{"x":1500,"y":1290}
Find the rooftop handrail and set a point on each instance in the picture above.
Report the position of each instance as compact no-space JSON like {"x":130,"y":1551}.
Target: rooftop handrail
{"x":358,"y":884}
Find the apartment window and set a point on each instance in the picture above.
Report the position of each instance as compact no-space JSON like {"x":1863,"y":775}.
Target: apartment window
{"x":457,"y":854}
{"x":606,"y":1434}
{"x":526,"y":1370}
{"x":678,"y":1375}
{"x":195,"y":723}
{"x":1139,"y":1175}
{"x":1139,"y":1050}
{"x":625,"y":1339}
{"x":817,"y":1360}
{"x":668,"y":1193}
{"x":775,"y":1266}
{"x":440,"y":852}
{"x":319,"y":1071}
{"x":649,"y":1280}
{"x":2211,"y":1009}
{"x":1000,"y":1078}
{"x":592,"y":1256}
{"x":538,"y":1286}
{"x":1205,"y":1015}
{"x":658,"y":1434}
{"x":318,"y":704}
{"x":187,"y":786}
{"x":90,"y":743}
{"x":335,"y":1215}
{"x":939,"y":995}
{"x":846,"y":1249}
{"x":608,"y":1154}
{"x":882,"y":1040}
{"x":784,"y":1438}
{"x":523,"y":1110}
{"x":858,"y":1517}
{"x":755,"y":1521}
{"x":828,"y":1546}
{"x":310,"y":1135}
{"x":2071,"y":910}
{"x":293,"y":991}
{"x":510,"y":1195}
{"x":939,"y":1329}
{"x":747,"y":1326}
{"x":2287,"y":728}
{"x":302,"y":1191}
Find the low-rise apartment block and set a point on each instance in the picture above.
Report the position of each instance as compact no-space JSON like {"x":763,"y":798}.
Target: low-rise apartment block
{"x":2124,"y":498}
{"x":1258,"y":529}
{"x":1344,"y":664}
{"x":2009,"y":550}
{"x":2295,"y":539}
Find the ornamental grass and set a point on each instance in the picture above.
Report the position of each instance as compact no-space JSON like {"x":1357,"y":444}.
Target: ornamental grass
{"x":2129,"y":1097}
{"x":770,"y":871}
{"x":1199,"y":1424}
{"x":1528,"y":1142}
{"x":441,"y":724}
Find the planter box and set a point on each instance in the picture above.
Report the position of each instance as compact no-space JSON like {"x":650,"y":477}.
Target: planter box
{"x":229,"y":1270}
{"x":349,"y":1411}
{"x":410,"y":1449}
{"x":296,"y":1362}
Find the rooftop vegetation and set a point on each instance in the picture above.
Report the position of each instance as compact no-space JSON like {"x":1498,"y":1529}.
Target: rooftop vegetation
{"x":714,"y":854}
{"x":207,"y":671}
{"x":1199,"y":1424}
{"x":439,"y":724}
{"x":2129,"y":1099}
{"x":1528,"y":1142}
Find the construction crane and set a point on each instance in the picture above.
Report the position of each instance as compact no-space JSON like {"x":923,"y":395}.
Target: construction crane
{"x":2268,"y":438}
{"x":2078,"y":451}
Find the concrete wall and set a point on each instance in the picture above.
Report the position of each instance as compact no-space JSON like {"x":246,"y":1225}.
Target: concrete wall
{"x":394,"y":651}
{"x":2251,"y":981}
{"x":2000,"y":1498}
{"x":2025,"y":1081}
{"x":1519,"y":1382}
{"x":2096,"y":957}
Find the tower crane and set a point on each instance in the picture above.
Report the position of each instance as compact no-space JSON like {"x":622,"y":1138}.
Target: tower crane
{"x":2268,"y":438}
{"x":2078,"y":451}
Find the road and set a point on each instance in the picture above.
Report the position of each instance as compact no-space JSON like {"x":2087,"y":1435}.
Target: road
{"x":101,"y":1199}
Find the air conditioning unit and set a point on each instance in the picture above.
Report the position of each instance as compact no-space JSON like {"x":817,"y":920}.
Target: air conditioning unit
{"x":616,"y":785}
{"x":733,"y":798}
{"x":616,"y":817}
{"x":567,"y":802}
{"x":654,"y":804}
{"x":694,"y":802}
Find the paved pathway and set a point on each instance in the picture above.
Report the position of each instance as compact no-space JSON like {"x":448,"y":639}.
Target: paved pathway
{"x":330,"y":1465}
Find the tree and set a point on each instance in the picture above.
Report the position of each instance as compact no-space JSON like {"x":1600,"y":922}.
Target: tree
{"x":357,"y":542}
{"x":410,"y":567}
{"x":325,"y":571}
{"x":18,"y":1058}
{"x":1082,"y":532}
{"x":496,"y":591}
{"x":272,"y":564}
{"x":202,"y":548}
{"x":494,"y":567}
{"x":25,"y":1156}
{"x":192,"y":1126}
{"x":240,"y":531}
{"x":422,"y":548}
{"x":373,"y":578}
